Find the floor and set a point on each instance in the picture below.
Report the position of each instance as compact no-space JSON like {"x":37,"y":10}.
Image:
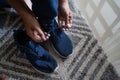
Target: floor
{"x":104,"y":20}
{"x":88,"y":61}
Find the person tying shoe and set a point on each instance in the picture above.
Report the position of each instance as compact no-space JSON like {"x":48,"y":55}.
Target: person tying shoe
{"x":40,"y":25}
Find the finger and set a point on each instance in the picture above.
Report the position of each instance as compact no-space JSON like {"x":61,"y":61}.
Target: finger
{"x":69,"y":25}
{"x":30,"y":33}
{"x":70,"y":18}
{"x":47,"y":35}
{"x":63,"y":29}
{"x":60,"y":20}
{"x":67,"y":20}
{"x":41,"y":33}
{"x":63,"y":22}
{"x":37,"y":37}
{"x":67,"y":29}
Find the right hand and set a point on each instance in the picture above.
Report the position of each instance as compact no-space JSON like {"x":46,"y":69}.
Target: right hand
{"x":32,"y":26}
{"x":34,"y":30}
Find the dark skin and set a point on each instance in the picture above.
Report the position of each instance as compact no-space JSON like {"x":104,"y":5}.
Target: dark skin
{"x":64,"y":15}
{"x":3,"y":77}
{"x":32,"y":26}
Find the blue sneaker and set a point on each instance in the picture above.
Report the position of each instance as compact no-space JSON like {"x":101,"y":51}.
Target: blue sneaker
{"x":61,"y":42}
{"x":36,"y":54}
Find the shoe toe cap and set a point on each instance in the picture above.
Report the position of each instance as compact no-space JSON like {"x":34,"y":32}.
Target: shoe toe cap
{"x":46,"y":67}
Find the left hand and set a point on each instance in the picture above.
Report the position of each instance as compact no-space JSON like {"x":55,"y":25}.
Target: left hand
{"x":64,"y":16}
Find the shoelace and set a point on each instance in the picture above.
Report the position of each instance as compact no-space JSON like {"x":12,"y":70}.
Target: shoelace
{"x":53,"y":30}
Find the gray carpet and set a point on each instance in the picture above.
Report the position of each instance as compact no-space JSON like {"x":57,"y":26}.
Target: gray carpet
{"x":88,"y":61}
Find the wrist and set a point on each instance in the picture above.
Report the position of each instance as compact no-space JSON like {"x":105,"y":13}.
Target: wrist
{"x":63,"y":2}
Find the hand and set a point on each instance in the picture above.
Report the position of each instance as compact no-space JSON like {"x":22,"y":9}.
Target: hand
{"x":64,"y":16}
{"x":33,"y":29}
{"x":31,"y":24}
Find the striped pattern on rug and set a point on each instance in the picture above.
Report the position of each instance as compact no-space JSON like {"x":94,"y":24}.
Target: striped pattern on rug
{"x":88,"y":61}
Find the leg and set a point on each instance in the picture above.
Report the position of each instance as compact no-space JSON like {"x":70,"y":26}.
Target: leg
{"x":45,"y":10}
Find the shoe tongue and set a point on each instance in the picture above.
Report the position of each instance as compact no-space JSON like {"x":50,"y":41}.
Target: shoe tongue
{"x":51,"y":28}
{"x":47,"y":28}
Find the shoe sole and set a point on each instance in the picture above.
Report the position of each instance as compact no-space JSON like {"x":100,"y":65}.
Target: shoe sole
{"x":44,"y":72}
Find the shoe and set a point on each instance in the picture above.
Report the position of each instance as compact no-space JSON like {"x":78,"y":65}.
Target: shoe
{"x":61,"y":42}
{"x":36,"y":54}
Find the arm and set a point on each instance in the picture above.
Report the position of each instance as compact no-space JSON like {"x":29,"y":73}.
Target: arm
{"x":31,"y":24}
{"x":22,"y":8}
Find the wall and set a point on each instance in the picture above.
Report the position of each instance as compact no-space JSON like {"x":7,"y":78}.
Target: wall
{"x":103,"y":16}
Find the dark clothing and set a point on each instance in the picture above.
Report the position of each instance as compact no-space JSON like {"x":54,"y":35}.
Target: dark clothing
{"x":45,"y":10}
{"x":3,"y":3}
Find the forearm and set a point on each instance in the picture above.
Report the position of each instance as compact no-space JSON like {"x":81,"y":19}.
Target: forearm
{"x":21,"y":7}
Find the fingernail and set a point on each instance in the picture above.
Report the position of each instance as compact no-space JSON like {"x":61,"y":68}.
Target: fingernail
{"x":48,"y":35}
{"x":69,"y":25}
{"x":63,"y":29}
{"x":43,"y":38}
{"x":66,"y":29}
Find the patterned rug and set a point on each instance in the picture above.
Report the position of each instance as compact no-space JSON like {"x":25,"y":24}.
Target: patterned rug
{"x":88,"y":61}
